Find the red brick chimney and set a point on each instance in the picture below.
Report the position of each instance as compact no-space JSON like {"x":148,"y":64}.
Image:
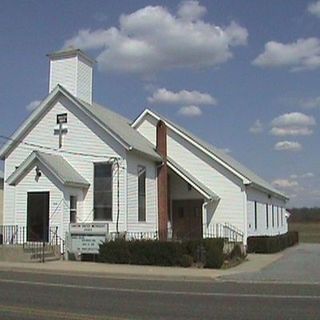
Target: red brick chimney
{"x":163,"y":211}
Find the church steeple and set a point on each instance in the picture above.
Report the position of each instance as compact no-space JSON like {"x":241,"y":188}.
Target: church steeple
{"x":72,"y":69}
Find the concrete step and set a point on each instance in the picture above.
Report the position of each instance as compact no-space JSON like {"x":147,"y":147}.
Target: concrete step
{"x":20,"y":253}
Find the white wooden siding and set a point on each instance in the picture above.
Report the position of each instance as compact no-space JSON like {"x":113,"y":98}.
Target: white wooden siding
{"x":63,"y":72}
{"x":179,"y":189}
{"x":148,"y":129}
{"x":151,"y":223}
{"x":84,"y":80}
{"x":214,"y":176}
{"x":83,"y":136}
{"x":232,"y":206}
{"x":44,"y":184}
{"x":262,"y":199}
{"x":1,"y":203}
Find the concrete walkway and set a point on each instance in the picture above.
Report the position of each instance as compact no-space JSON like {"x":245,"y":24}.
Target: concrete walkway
{"x":254,"y":262}
{"x":299,"y":264}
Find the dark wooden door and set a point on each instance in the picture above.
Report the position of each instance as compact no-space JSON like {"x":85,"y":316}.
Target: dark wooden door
{"x":38,"y":216}
{"x":187,"y":219}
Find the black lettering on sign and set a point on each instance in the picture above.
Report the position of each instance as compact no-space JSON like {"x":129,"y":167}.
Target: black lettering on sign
{"x":62,"y":118}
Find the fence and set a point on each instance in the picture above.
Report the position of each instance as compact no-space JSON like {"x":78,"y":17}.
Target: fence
{"x":17,"y":235}
{"x":152,"y":235}
{"x":218,"y":230}
{"x":226,"y":231}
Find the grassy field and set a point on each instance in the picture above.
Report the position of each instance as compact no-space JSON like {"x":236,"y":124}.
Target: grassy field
{"x":308,"y":231}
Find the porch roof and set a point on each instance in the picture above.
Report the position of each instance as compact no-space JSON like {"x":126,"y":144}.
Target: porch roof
{"x":194,"y":182}
{"x":56,"y":164}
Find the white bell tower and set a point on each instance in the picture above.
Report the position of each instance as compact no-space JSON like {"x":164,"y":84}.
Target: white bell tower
{"x":73,"y":70}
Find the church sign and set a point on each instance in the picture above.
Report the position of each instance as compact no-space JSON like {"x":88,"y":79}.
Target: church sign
{"x":85,"y":238}
{"x":62,"y":118}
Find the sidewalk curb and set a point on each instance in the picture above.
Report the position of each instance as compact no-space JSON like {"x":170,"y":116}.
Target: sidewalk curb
{"x":156,"y":273}
{"x":109,"y":275}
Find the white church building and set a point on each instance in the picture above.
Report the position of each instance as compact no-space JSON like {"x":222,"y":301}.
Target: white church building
{"x":73,"y":160}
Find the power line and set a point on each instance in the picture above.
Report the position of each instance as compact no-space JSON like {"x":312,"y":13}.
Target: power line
{"x":35,"y":145}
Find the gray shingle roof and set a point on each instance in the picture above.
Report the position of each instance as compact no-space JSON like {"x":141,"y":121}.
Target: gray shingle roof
{"x":122,"y":128}
{"x":116,"y":124}
{"x":237,"y":166}
{"x":56,"y":164}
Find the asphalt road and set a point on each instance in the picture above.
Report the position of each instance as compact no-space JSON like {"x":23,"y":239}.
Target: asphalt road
{"x":47,"y":296}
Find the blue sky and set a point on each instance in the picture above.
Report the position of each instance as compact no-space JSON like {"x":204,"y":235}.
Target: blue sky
{"x":243,"y":75}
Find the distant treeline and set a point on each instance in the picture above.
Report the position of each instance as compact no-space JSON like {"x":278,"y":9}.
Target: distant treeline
{"x":304,"y":215}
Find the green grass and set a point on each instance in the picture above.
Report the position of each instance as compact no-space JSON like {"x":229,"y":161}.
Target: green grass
{"x":309,"y":232}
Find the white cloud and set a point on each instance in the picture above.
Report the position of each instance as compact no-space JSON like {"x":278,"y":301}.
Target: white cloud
{"x":304,"y":54}
{"x":288,"y":146}
{"x":292,"y":124}
{"x":191,"y":10}
{"x":307,"y":175}
{"x":257,"y":127}
{"x":314,"y":8}
{"x":225,"y":150}
{"x":32,"y":105}
{"x":190,"y":111}
{"x":153,"y":39}
{"x":285,"y":184}
{"x":315,"y":193}
{"x":164,"y":96}
{"x":280,"y":132}
{"x":310,"y":103}
{"x":293,"y":119}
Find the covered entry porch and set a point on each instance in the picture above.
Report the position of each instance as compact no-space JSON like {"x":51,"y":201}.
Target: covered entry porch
{"x":191,"y":204}
{"x":46,"y":190}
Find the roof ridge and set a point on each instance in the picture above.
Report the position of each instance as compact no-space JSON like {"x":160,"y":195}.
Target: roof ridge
{"x":235,"y":164}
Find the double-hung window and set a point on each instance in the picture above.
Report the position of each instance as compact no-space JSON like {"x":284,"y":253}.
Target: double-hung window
{"x":102,"y":191}
{"x":272,"y":216}
{"x":141,"y":193}
{"x":255,"y":215}
{"x":73,"y":209}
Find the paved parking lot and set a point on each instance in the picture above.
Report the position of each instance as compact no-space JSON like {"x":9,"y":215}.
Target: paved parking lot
{"x":300,"y":264}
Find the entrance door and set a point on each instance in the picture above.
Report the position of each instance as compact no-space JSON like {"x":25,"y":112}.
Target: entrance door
{"x":187,"y":219}
{"x":38,"y":216}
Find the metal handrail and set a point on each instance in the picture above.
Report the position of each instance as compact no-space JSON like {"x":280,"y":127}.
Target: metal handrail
{"x":54,"y":237}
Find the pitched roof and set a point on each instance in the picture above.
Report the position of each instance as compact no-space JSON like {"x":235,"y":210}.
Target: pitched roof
{"x":253,"y":178}
{"x":56,"y":164}
{"x":198,"y":185}
{"x":70,"y":52}
{"x":113,"y":123}
{"x":122,"y":127}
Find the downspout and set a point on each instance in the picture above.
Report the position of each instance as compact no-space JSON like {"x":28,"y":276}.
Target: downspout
{"x":204,"y":217}
{"x":118,"y":196}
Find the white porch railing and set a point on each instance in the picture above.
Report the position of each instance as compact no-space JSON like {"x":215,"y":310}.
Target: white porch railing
{"x":226,"y":230}
{"x":217,"y":230}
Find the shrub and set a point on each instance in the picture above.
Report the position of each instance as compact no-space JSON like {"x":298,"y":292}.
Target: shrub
{"x":195,"y":249}
{"x":214,"y":257}
{"x":236,"y":252}
{"x":186,"y":261}
{"x":150,"y":252}
{"x":272,"y":244}
{"x":116,"y":251}
{"x":164,"y":253}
